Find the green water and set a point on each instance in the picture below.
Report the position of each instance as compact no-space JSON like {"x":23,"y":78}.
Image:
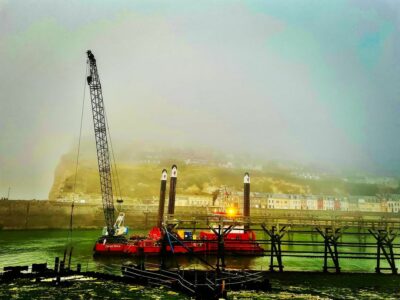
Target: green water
{"x":37,"y":246}
{"x":27,"y":247}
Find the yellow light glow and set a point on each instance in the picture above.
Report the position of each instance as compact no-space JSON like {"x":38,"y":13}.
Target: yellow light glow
{"x":231,"y":211}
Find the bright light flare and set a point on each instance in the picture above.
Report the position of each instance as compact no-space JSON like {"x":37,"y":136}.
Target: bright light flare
{"x":231,"y":211}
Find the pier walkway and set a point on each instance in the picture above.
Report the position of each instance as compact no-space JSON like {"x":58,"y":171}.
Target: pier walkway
{"x":329,"y":235}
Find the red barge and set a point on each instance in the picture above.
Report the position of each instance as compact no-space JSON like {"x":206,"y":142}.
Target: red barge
{"x":238,"y":240}
{"x":239,"y":243}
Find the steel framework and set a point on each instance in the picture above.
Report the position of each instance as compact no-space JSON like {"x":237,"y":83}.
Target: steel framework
{"x":100,"y":132}
{"x":383,"y":228}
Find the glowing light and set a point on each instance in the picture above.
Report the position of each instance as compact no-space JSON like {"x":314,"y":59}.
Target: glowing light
{"x":231,"y":211}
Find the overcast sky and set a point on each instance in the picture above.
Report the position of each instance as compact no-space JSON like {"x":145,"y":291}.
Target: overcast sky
{"x":310,"y":81}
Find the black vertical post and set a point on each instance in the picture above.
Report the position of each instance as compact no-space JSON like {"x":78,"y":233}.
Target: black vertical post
{"x":56,"y":264}
{"x":163,"y":248}
{"x":62,"y":265}
{"x":222,"y":245}
{"x":273,"y":246}
{"x":325,"y":269}
{"x":142,"y":259}
{"x":246,"y":199}
{"x":172,"y":190}
{"x":161,"y":204}
{"x":378,"y":254}
{"x":336,"y":256}
{"x":220,"y":249}
{"x":279,"y":256}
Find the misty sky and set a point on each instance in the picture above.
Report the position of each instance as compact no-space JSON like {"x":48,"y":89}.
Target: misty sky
{"x":310,"y":81}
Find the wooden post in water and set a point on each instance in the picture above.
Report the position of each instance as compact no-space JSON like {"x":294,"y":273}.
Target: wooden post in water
{"x":56,"y":264}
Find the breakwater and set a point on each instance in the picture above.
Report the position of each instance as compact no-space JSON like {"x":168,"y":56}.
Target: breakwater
{"x":35,"y":214}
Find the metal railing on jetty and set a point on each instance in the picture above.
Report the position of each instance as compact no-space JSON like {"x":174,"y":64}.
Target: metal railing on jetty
{"x":333,"y":236}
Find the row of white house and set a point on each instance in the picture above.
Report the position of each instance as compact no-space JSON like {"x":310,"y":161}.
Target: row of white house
{"x":299,"y":202}
{"x":389,"y":203}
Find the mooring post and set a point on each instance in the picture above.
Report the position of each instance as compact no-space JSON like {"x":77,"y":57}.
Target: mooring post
{"x":62,"y":265}
{"x":56,"y":263}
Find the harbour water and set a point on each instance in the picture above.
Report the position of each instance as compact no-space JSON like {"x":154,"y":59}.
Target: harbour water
{"x":38,"y":246}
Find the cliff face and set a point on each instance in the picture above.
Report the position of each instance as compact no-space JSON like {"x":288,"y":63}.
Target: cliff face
{"x":141,"y":181}
{"x":200,"y":173}
{"x":62,"y":172}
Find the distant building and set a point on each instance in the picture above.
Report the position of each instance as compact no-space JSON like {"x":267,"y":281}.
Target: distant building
{"x":311,"y":203}
{"x":393,"y":204}
{"x":191,"y":200}
{"x":328,"y":203}
{"x":369,"y":203}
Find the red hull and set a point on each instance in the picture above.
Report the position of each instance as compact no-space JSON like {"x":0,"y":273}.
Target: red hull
{"x":235,"y":243}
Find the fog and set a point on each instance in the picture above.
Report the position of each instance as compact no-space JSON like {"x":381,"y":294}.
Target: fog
{"x":305,"y":81}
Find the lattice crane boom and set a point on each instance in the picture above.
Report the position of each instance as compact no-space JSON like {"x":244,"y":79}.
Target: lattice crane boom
{"x":100,"y":132}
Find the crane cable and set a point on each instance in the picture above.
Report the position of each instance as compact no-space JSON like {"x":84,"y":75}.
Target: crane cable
{"x":77,"y":158}
{"x":78,"y":154}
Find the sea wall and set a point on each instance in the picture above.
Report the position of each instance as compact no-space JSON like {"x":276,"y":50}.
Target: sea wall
{"x":24,"y":214}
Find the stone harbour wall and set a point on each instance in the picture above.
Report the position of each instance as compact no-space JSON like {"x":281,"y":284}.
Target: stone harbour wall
{"x":34,"y":214}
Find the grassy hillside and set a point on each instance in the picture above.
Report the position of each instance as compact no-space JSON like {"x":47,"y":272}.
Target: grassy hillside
{"x":140,"y":180}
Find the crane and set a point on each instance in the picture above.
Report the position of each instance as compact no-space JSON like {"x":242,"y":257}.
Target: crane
{"x":113,"y":227}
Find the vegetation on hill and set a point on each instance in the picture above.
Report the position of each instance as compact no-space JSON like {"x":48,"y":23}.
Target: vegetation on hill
{"x":140,"y":178}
